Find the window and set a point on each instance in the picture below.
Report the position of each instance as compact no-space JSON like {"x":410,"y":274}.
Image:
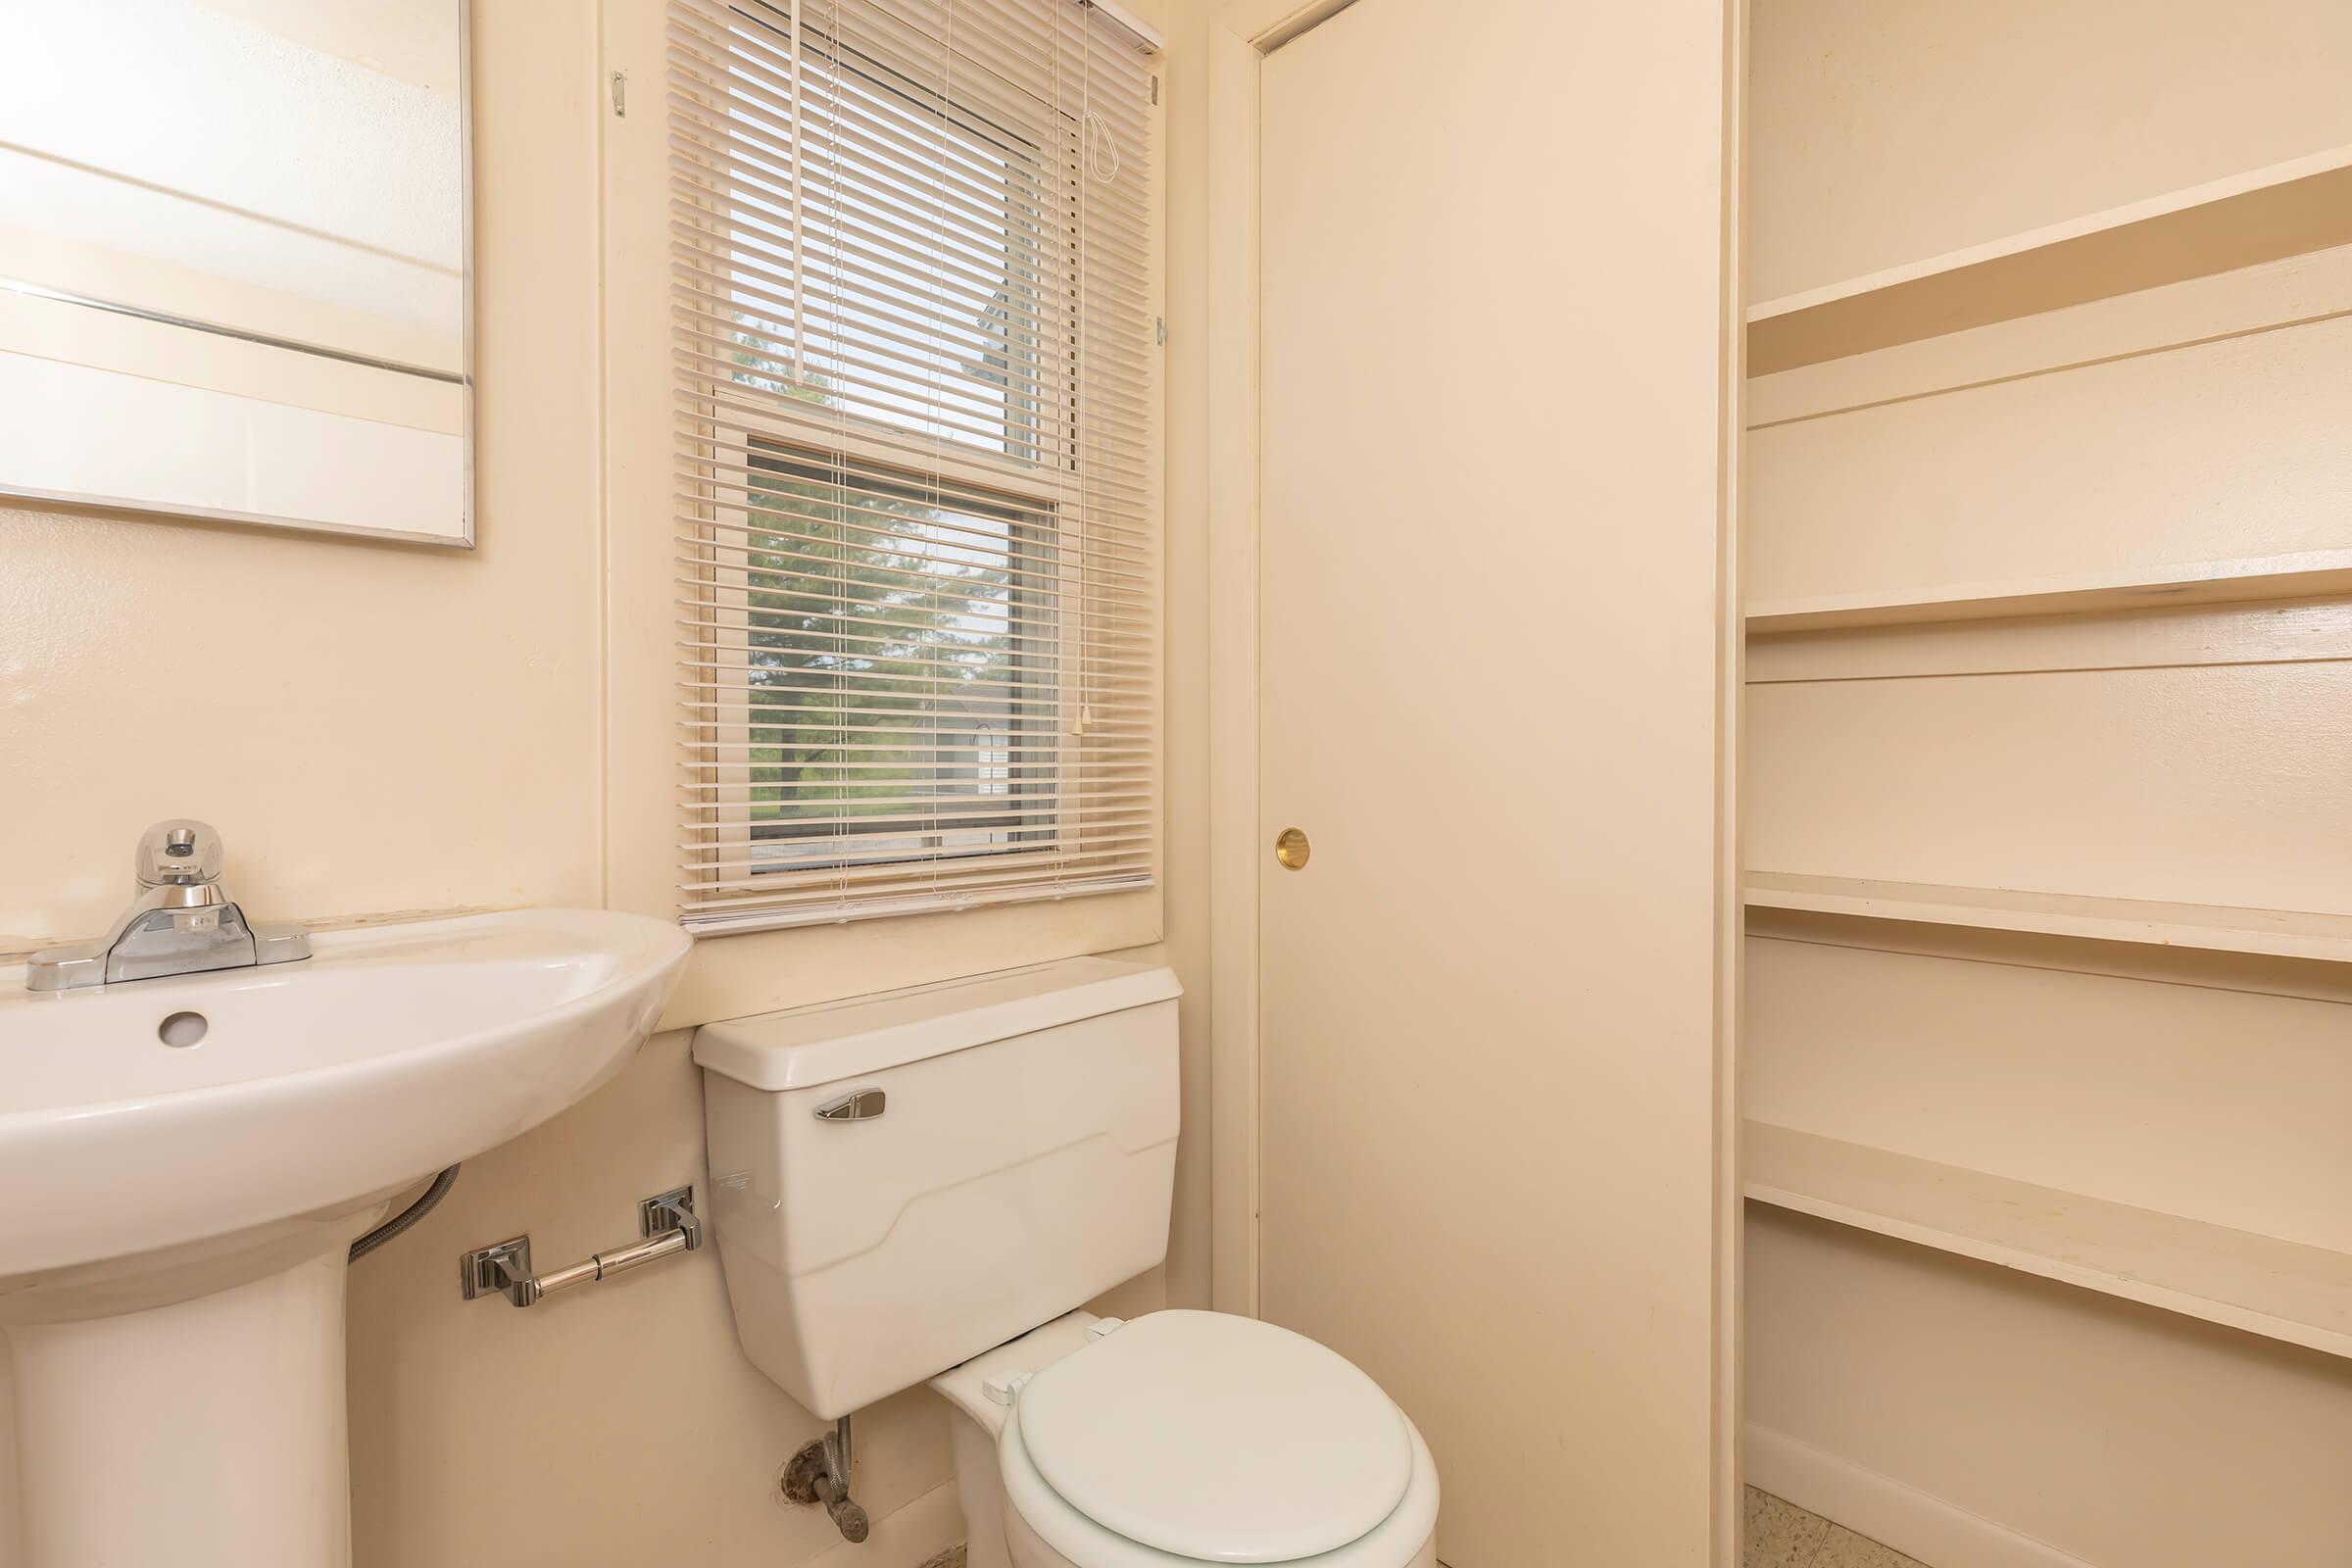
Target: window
{"x":917,"y":538}
{"x":901,"y":636}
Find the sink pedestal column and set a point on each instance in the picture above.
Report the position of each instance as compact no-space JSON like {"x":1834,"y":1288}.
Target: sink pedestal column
{"x":205,"y":1433}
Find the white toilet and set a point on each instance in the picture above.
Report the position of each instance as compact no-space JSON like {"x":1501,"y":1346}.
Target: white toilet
{"x":923,"y":1186}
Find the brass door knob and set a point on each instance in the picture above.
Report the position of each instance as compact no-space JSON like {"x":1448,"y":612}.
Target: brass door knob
{"x":1291,"y":849}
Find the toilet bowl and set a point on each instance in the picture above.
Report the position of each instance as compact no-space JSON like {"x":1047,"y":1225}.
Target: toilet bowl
{"x":924,"y":1186}
{"x":1184,"y":1439}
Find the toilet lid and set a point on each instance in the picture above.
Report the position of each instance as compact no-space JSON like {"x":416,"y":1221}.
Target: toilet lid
{"x":1217,"y":1436}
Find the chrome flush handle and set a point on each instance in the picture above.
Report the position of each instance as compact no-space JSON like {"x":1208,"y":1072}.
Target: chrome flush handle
{"x":858,"y":1104}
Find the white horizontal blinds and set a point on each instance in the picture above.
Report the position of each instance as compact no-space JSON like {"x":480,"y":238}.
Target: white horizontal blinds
{"x":916,"y":547}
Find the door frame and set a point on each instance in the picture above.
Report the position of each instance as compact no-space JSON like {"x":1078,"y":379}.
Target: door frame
{"x":1241,"y":34}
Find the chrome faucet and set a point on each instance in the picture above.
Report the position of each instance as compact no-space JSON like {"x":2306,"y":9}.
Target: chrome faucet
{"x":183,"y":922}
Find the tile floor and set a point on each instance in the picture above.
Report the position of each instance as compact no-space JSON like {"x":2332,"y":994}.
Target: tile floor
{"x":1780,"y":1534}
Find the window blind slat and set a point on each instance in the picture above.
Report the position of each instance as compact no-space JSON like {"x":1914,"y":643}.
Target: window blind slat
{"x":947,"y":658}
{"x":730,"y":412}
{"x":795,"y":609}
{"x":910,"y":325}
{"x":1113,"y":567}
{"x":922,"y":806}
{"x":862,"y":481}
{"x":712,"y":919}
{"x":1113,"y":576}
{"x":1099,"y":687}
{"x":831,"y":882}
{"x":743,"y":422}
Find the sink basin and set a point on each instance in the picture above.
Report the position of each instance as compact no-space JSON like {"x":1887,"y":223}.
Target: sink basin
{"x":319,"y":1086}
{"x":190,"y":1158}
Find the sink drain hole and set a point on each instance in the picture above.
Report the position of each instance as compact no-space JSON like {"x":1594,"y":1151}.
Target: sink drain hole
{"x":182,"y":1029}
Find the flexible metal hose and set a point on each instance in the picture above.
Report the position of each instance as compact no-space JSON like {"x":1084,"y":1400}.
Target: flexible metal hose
{"x":405,"y":1217}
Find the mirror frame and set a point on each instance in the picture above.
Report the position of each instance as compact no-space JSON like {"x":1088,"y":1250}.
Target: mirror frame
{"x":463,"y":536}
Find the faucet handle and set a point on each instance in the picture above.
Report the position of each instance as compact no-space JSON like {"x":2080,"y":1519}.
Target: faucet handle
{"x":179,"y":853}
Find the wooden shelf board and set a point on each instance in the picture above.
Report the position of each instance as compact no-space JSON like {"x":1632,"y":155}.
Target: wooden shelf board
{"x":2280,"y":1289}
{"x":2260,"y":215}
{"x":2277,"y":933}
{"x":2305,"y":575}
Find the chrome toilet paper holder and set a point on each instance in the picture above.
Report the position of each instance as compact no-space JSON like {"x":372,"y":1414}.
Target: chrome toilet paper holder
{"x":665,"y":1222}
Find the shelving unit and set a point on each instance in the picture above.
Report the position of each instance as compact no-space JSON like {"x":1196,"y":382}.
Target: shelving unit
{"x":2281,"y":1290}
{"x":2210,"y":928}
{"x":2050,"y":580}
{"x":2262,"y":216}
{"x":2306,"y":574}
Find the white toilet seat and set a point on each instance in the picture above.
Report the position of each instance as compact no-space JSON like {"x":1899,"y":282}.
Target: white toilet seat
{"x":1403,"y":1540}
{"x":1185,"y":1439}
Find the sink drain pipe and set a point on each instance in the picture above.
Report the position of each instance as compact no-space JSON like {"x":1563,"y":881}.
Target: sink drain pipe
{"x":405,"y":1217}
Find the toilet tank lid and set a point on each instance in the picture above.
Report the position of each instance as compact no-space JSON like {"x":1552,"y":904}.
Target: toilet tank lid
{"x":802,"y":1047}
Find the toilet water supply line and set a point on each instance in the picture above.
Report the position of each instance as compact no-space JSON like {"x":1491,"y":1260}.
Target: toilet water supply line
{"x":820,"y":1473}
{"x":405,"y":1217}
{"x":833,"y":1486}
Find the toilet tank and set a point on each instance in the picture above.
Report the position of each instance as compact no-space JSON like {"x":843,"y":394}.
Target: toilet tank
{"x":902,"y":1181}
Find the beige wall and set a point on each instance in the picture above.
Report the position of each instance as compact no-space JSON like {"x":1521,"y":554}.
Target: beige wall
{"x":382,"y":731}
{"x":2195,"y":754}
{"x":1184,"y":131}
{"x":2090,"y":1431}
{"x":1885,"y":133}
{"x":373,"y":729}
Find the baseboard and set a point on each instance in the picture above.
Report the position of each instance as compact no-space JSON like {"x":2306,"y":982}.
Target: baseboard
{"x":913,"y":1533}
{"x":1888,"y":1510}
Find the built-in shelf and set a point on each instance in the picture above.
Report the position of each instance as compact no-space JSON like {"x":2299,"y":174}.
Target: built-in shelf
{"x":2282,"y":1289}
{"x":2279,"y":933}
{"x":2262,"y":216}
{"x":2306,"y":574}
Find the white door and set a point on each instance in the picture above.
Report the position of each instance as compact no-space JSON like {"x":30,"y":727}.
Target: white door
{"x":1491,"y":362}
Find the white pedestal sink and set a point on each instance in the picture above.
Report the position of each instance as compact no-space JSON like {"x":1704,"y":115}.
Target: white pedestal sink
{"x":174,"y":1218}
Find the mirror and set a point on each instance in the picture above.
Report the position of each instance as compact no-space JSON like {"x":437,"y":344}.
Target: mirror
{"x":234,"y":262}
